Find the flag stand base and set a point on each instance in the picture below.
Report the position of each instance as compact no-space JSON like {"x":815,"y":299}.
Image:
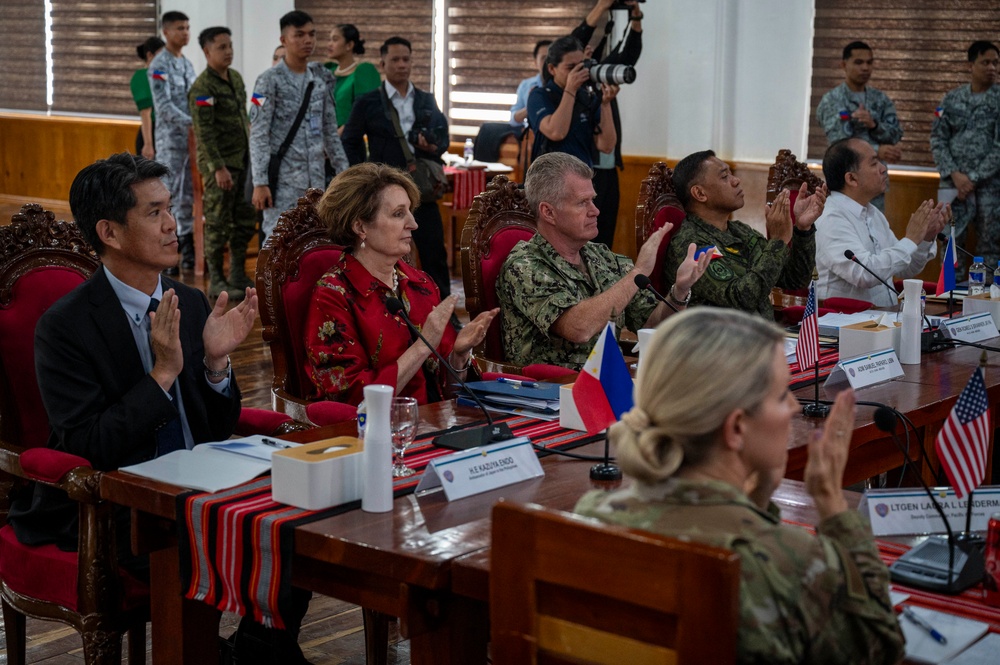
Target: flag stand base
{"x":605,"y":472}
{"x":816,"y":410}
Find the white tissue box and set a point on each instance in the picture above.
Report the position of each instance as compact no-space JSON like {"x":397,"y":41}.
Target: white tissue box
{"x":569,"y":417}
{"x":981,"y":303}
{"x":867,"y":337}
{"x":318,"y":475}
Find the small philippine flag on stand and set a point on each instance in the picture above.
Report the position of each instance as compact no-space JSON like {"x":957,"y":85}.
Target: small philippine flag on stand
{"x":946,"y":279}
{"x":603,"y":390}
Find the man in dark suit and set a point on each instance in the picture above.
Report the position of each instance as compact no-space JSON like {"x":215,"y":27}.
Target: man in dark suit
{"x":424,"y":132}
{"x":131,"y":365}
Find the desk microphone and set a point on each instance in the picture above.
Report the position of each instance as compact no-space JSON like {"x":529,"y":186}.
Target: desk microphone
{"x":466,"y":437}
{"x":943,"y":238}
{"x":851,"y":257}
{"x":642,"y":281}
{"x":923,"y":566}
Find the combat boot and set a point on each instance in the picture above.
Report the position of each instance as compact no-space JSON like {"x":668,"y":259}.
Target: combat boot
{"x":185,"y":245}
{"x":216,"y":277}
{"x":238,"y":278}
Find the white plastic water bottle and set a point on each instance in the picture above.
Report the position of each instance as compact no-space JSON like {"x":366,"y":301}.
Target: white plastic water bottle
{"x":977,"y":276}
{"x":362,"y":418}
{"x":376,"y":495}
{"x":995,"y":287}
{"x":470,"y":149}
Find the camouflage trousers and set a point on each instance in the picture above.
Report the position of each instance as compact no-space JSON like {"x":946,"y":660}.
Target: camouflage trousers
{"x":173,"y":153}
{"x":982,"y":211}
{"x":229,"y":217}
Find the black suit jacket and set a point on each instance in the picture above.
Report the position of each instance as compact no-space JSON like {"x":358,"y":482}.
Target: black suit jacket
{"x":101,"y":403}
{"x":369,"y":118}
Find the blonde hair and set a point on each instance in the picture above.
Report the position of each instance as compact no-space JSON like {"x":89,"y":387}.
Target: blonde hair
{"x":700,"y":366}
{"x":357,"y":194}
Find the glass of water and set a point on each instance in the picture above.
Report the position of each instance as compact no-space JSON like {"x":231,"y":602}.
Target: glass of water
{"x":403,"y":420}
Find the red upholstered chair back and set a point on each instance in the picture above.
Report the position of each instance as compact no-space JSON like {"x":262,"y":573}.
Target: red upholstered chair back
{"x":292,"y":260}
{"x":788,"y":172}
{"x":498,"y":220}
{"x":41,"y":260}
{"x":657,"y":205}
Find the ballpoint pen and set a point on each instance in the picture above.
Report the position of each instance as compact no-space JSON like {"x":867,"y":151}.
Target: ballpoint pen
{"x":275,"y":444}
{"x":517,"y":383}
{"x":923,"y":625}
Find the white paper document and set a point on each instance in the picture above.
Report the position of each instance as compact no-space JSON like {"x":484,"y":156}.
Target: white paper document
{"x":960,"y":633}
{"x":215,"y":466}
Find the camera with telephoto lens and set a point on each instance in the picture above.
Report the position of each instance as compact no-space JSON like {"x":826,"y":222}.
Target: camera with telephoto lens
{"x":609,"y":74}
{"x":620,"y":4}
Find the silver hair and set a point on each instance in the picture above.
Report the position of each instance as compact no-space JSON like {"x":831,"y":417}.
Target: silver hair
{"x":546,"y":178}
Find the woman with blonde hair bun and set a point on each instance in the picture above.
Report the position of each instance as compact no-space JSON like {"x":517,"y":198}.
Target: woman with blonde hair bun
{"x":706,"y":445}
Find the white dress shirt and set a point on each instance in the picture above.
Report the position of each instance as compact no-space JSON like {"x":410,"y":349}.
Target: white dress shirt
{"x":847,"y":225}
{"x":404,"y":107}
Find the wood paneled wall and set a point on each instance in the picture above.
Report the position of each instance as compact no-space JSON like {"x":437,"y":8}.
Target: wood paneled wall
{"x":41,"y":155}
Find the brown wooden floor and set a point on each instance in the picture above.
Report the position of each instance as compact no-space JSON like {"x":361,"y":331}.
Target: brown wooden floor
{"x":332,"y":631}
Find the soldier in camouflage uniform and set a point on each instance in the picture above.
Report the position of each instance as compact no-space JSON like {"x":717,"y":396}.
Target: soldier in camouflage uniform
{"x":746,"y":265}
{"x":558,"y":290}
{"x":706,"y":456}
{"x":170,"y":78}
{"x":855,"y":109}
{"x":965,"y":141}
{"x":218,"y":102}
{"x":277,"y":97}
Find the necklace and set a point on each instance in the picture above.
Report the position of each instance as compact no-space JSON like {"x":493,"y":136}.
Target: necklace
{"x":395,"y":281}
{"x":345,"y":71}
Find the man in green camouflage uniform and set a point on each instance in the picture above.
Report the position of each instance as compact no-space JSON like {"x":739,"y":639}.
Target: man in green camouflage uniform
{"x":803,"y":598}
{"x":855,"y":109}
{"x":558,"y":290}
{"x":746,"y":265}
{"x":218,"y":109}
{"x":965,"y":141}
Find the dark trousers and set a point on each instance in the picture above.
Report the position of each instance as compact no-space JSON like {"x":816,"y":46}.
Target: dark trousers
{"x":429,"y":238}
{"x":606,"y":186}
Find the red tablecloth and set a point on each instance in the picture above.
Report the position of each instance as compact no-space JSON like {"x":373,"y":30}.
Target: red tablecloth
{"x":467,"y":183}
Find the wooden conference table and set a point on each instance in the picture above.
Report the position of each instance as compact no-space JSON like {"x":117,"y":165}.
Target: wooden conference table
{"x":427,"y":560}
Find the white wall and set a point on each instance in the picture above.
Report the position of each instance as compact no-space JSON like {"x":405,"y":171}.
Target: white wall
{"x":709,"y":76}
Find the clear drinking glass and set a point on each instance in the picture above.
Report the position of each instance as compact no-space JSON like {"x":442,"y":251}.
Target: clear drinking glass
{"x":403,"y":420}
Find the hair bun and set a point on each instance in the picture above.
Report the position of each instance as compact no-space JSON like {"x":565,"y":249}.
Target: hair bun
{"x":636,"y":419}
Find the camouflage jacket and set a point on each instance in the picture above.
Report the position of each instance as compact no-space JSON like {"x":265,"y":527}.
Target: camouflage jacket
{"x":804,"y":598}
{"x":537,"y":285}
{"x":839,"y":101}
{"x":170,"y":78}
{"x":277,"y":96}
{"x":219,"y":110}
{"x":965,"y":135}
{"x":750,"y":265}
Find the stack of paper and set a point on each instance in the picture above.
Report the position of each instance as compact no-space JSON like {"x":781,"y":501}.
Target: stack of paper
{"x":959,"y":632}
{"x":535,"y":399}
{"x":829,"y":324}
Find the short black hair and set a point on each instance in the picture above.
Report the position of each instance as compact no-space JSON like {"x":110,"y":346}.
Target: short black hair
{"x":686,"y":173}
{"x":558,"y":50}
{"x":351,"y":34}
{"x":980,"y":47}
{"x":839,"y":160}
{"x":151,"y":45}
{"x":172,"y":17}
{"x":539,"y":45}
{"x":855,"y":46}
{"x":208,"y":35}
{"x":103,"y":190}
{"x":296,"y":19}
{"x":384,"y":48}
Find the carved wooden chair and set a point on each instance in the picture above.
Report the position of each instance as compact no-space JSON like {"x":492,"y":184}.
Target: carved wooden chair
{"x":499,"y":218}
{"x":40,"y":261}
{"x":565,"y":589}
{"x":788,"y":172}
{"x":657,"y":205}
{"x":295,"y":256}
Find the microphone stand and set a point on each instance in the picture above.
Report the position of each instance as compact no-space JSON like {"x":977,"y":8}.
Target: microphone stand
{"x":642,"y":281}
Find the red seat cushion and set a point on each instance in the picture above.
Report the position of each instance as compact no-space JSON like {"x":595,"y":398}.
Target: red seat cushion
{"x":541,"y":372}
{"x":296,"y":294}
{"x":666,"y":214}
{"x":490,"y":263}
{"x":49,"y":465}
{"x":329,"y":413}
{"x":792,"y":315}
{"x":259,"y":421}
{"x":31,"y":295}
{"x":47,"y":573}
{"x":846,"y":305}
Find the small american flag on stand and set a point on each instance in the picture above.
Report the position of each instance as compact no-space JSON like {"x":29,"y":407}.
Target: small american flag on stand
{"x":807,"y":349}
{"x":963,"y":441}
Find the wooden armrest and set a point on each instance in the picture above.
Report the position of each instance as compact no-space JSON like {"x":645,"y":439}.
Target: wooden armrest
{"x":81,"y":483}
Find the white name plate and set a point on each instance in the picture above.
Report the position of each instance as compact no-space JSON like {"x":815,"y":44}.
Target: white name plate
{"x":483,"y":469}
{"x":866,"y":370}
{"x":908,"y":511}
{"x":975,"y":328}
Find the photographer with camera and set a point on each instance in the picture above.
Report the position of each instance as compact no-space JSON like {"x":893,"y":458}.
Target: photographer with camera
{"x":569,"y":114}
{"x":406,"y":129}
{"x":617,"y":60}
